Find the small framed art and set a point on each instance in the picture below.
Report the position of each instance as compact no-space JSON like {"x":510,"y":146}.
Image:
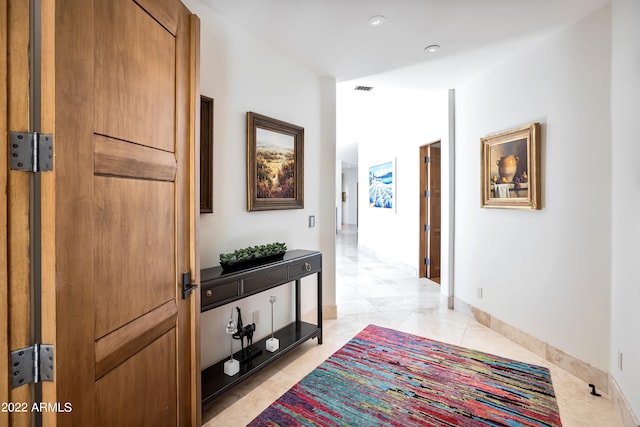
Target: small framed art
{"x":382,"y":186}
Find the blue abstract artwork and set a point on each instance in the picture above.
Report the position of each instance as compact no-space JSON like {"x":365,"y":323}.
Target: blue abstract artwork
{"x":381,"y":186}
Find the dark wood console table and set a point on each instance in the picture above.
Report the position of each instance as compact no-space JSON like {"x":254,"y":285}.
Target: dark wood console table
{"x":219,"y":288}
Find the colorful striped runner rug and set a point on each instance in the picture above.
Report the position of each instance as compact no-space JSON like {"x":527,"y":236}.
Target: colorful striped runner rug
{"x":383,"y":377}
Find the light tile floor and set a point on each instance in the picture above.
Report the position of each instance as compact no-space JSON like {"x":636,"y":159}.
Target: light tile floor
{"x":369,"y":291}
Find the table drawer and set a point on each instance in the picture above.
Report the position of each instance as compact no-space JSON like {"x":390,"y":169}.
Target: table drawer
{"x":219,"y":293}
{"x":304,"y":267}
{"x":264,"y":280}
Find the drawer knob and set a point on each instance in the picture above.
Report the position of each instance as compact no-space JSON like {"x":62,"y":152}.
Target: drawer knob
{"x":209,"y":292}
{"x":307,"y":266}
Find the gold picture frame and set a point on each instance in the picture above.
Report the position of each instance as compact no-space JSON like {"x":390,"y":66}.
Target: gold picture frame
{"x":275,"y":164}
{"x":510,"y":169}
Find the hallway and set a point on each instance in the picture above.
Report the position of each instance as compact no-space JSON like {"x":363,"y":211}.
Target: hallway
{"x":369,"y":291}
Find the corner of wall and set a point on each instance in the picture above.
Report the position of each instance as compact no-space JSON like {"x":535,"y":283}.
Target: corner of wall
{"x":629,"y":419}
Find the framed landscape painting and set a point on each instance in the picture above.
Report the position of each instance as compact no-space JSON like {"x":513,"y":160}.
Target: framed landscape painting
{"x":381,"y":186}
{"x":275,"y":164}
{"x":510,"y":170}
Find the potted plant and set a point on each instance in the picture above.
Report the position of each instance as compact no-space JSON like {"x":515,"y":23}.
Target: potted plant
{"x":252,"y":255}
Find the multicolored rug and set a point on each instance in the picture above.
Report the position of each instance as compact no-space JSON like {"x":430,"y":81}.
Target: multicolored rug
{"x":384,"y":377}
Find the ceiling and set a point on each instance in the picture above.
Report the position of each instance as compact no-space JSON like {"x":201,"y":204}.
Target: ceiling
{"x":333,"y":37}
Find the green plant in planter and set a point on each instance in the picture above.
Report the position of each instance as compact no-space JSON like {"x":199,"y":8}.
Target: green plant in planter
{"x":253,"y":252}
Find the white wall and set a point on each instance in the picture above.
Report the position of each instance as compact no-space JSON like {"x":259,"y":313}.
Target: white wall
{"x":390,"y":124}
{"x":545,"y":272}
{"x":625,"y":106}
{"x":243,"y":74}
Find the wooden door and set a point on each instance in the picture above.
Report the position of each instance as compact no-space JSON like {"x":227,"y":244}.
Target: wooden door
{"x":125,"y":214}
{"x":422,"y":261}
{"x":430,"y":216}
{"x":433,"y":209}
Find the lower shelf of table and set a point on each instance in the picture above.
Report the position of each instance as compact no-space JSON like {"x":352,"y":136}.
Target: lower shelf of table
{"x":215,"y":382}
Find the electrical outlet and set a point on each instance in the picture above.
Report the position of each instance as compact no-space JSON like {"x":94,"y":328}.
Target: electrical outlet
{"x":256,"y":317}
{"x":620,"y":360}
{"x":479,"y":292}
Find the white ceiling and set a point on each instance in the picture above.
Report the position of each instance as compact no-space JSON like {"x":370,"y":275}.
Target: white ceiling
{"x":333,"y":37}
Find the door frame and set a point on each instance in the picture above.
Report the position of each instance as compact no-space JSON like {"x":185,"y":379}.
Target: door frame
{"x":4,"y":206}
{"x":20,"y":39}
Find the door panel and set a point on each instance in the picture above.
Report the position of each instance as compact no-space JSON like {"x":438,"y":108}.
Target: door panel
{"x":134,"y":249}
{"x":165,"y":11}
{"x":141,"y":391}
{"x":120,"y":158}
{"x":123,"y":343}
{"x":127,"y":349}
{"x":137,"y":84}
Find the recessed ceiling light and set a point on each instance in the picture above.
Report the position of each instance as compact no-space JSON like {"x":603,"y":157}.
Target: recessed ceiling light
{"x":432,"y":48}
{"x":376,"y":21}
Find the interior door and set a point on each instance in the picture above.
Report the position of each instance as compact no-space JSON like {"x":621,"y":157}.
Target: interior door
{"x":126,"y":346}
{"x":430,"y":215}
{"x":424,"y":216}
{"x":434,"y":215}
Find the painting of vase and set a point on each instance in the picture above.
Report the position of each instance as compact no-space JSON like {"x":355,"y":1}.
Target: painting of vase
{"x":510,"y":168}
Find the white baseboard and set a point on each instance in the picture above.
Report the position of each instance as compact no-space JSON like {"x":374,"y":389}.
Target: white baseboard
{"x":329,"y":312}
{"x":575,"y":366}
{"x":411,"y":270}
{"x":620,"y":402}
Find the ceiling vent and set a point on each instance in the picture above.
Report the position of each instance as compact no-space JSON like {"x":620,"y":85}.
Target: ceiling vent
{"x":364,"y":88}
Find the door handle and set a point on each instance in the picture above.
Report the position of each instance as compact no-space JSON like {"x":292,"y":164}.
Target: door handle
{"x":187,"y":285}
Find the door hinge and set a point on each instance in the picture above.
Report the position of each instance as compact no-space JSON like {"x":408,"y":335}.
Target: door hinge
{"x":427,"y":193}
{"x":427,"y":261}
{"x":31,"y":152}
{"x":427,"y":227}
{"x":187,"y":286}
{"x":32,"y":364}
{"x":427,"y":160}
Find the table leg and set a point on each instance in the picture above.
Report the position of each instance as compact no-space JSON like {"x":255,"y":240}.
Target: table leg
{"x":320,"y":306}
{"x":298,"y":309}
